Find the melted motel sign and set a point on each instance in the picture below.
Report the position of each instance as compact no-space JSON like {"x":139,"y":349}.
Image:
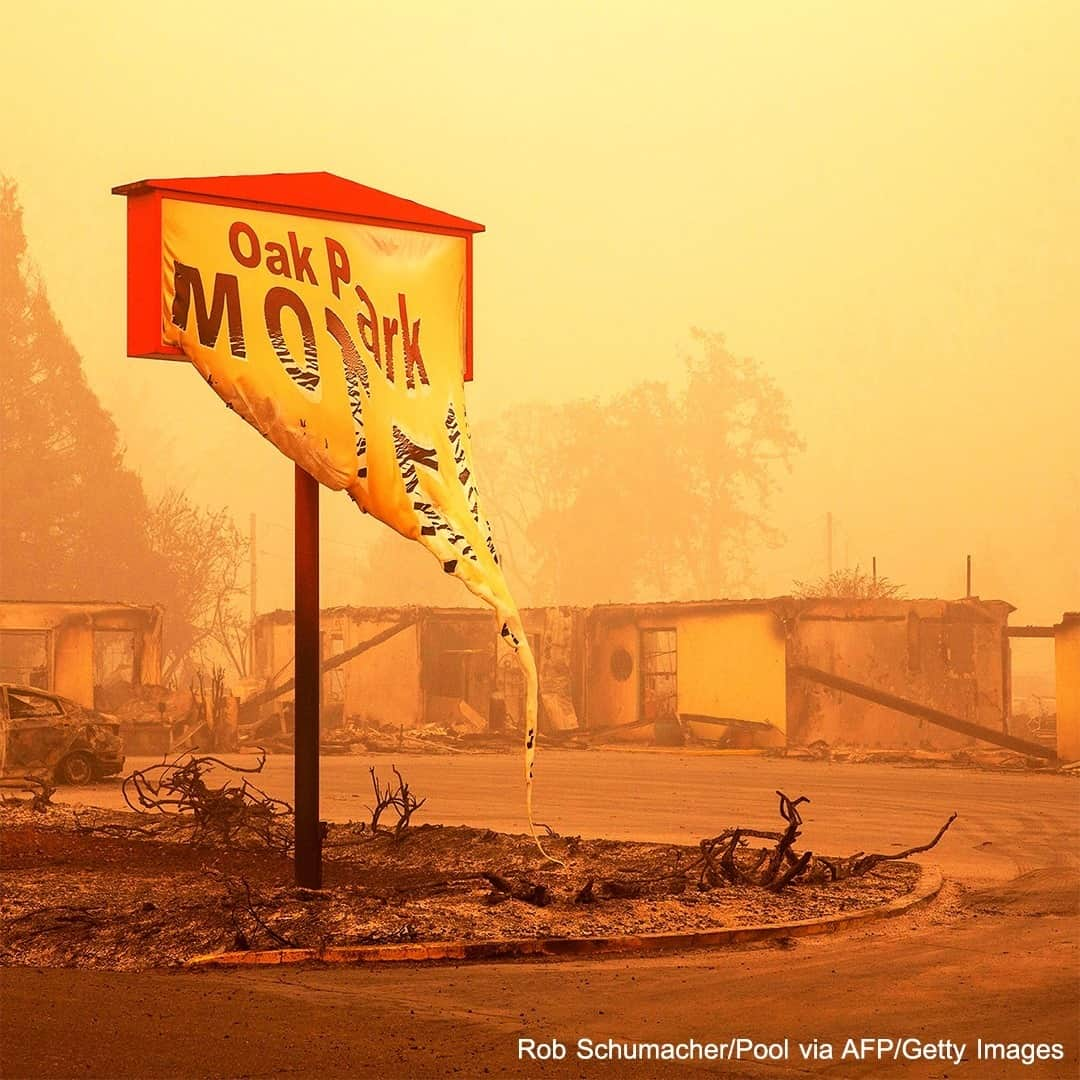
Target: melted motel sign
{"x":320,"y":309}
{"x":344,"y":341}
{"x":336,"y":320}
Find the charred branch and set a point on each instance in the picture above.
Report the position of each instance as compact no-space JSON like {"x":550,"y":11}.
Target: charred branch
{"x":727,"y":859}
{"x":38,"y":788}
{"x":241,"y":901}
{"x":228,"y":814}
{"x":528,"y":892}
{"x":399,"y":799}
{"x":858,"y":864}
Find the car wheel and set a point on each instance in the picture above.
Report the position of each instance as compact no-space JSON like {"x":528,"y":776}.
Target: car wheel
{"x":77,"y":768}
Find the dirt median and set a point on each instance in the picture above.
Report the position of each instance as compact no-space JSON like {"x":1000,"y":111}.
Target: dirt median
{"x":124,"y":902}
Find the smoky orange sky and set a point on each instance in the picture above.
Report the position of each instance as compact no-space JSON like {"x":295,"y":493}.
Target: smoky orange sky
{"x":879,"y":202}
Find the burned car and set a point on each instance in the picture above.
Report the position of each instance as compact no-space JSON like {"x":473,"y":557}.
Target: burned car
{"x":46,"y":735}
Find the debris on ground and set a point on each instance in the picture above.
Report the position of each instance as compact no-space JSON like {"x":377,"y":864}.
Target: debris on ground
{"x":973,"y":757}
{"x":182,"y":805}
{"x":37,"y":786}
{"x":728,"y":859}
{"x":466,"y":734}
{"x":99,"y":888}
{"x":160,"y":720}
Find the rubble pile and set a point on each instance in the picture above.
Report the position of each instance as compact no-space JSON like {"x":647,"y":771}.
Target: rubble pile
{"x":158,"y":720}
{"x":989,"y":758}
{"x":356,"y":737}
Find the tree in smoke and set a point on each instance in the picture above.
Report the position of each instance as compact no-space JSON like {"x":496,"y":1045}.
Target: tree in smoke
{"x":75,"y":523}
{"x":72,"y":515}
{"x":207,"y":554}
{"x":660,"y":492}
{"x":849,"y":584}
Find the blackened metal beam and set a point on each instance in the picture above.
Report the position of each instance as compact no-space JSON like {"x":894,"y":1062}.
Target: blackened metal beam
{"x":331,"y":662}
{"x":924,"y":712}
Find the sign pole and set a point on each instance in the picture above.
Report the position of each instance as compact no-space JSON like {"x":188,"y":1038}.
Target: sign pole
{"x":308,"y":855}
{"x":185,"y":233}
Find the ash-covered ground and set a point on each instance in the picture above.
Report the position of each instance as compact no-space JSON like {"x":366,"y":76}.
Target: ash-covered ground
{"x":83,"y":887}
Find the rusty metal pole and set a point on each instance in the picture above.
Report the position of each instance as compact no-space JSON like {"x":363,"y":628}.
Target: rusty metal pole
{"x":251,"y":621}
{"x":308,"y":858}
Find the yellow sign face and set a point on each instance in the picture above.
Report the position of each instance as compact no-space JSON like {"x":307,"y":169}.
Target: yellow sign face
{"x":344,"y":344}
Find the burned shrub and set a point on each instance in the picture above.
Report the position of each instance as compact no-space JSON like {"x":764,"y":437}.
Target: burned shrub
{"x":400,"y":800}
{"x":227,"y":814}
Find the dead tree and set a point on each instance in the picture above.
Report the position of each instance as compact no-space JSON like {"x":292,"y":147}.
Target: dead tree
{"x":399,"y":799}
{"x":232,"y":813}
{"x":727,"y":859}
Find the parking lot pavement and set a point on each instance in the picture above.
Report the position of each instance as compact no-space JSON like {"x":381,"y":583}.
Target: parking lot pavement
{"x":997,"y":960}
{"x":999,"y":978}
{"x":1008,"y":822}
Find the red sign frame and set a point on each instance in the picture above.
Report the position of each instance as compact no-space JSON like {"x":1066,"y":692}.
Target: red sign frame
{"x":318,"y":195}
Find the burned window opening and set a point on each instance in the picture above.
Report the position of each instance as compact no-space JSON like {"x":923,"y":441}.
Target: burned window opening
{"x":914,"y":642}
{"x":24,"y":657}
{"x":114,"y":657}
{"x":622,"y":664}
{"x":659,"y":674}
{"x":960,"y":642}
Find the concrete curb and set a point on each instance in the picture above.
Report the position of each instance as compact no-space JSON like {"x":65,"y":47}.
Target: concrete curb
{"x":930,"y":882}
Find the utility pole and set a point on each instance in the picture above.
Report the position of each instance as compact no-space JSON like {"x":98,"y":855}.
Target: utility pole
{"x":969,"y":575}
{"x":251,"y":597}
{"x":873,"y":562}
{"x":828,"y":541}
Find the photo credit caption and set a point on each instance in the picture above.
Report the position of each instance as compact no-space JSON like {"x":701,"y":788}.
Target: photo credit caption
{"x":741,"y":1048}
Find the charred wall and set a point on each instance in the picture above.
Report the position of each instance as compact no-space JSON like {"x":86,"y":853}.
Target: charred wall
{"x":722,"y":662}
{"x":950,"y":656}
{"x":80,"y":650}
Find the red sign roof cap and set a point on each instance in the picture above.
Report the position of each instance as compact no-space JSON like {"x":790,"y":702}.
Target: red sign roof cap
{"x":311,"y":191}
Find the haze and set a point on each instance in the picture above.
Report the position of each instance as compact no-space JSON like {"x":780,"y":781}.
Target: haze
{"x":878,"y":202}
